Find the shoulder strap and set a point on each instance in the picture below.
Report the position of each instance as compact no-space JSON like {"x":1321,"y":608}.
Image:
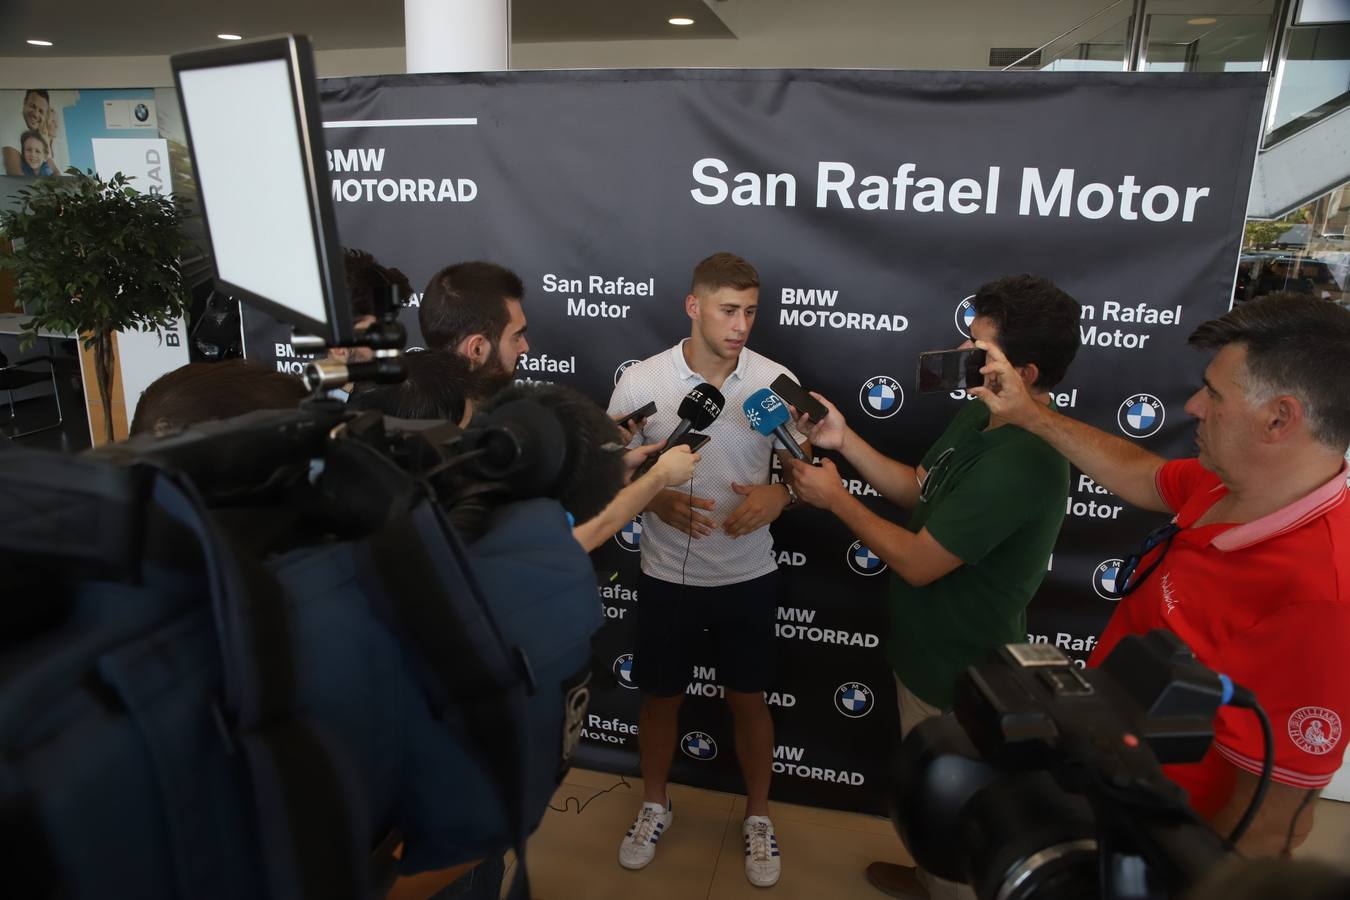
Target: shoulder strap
{"x":70,"y":514}
{"x":424,"y":586}
{"x":311,"y":816}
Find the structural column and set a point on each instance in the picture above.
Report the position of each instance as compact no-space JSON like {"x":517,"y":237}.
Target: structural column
{"x":457,"y":35}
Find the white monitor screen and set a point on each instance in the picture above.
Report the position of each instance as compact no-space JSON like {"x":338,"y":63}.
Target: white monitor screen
{"x":244,"y":124}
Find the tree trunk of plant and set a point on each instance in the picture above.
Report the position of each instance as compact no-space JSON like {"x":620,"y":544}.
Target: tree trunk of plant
{"x":103,"y":370}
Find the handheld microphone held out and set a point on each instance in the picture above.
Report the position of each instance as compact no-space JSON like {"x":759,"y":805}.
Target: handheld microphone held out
{"x":768,"y":414}
{"x":699,"y":409}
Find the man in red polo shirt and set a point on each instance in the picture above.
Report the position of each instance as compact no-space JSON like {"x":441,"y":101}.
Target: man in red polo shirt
{"x":1253,"y":572}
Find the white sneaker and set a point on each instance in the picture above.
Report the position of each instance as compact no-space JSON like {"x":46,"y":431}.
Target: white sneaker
{"x":639,"y":846}
{"x":762,"y":862}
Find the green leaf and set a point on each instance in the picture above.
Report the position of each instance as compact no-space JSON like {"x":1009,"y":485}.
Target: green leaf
{"x":95,"y":256}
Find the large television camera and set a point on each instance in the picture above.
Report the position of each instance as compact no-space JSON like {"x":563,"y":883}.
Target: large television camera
{"x":251,"y":658}
{"x":1047,"y":782}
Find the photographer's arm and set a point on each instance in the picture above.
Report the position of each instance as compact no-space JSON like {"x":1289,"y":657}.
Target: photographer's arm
{"x":917,"y":558}
{"x":1122,"y":467}
{"x":673,"y":467}
{"x":894,"y":480}
{"x":1275,"y":831}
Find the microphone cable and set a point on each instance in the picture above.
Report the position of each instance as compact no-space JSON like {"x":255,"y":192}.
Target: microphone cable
{"x":1236,"y":695}
{"x":689,"y":542}
{"x":580,"y":806}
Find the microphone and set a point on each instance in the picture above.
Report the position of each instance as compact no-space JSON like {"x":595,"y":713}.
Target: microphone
{"x":699,"y":408}
{"x":548,"y":440}
{"x":768,"y":414}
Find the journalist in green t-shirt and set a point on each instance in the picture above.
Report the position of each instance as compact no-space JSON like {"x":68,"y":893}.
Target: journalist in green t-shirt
{"x":987,"y":501}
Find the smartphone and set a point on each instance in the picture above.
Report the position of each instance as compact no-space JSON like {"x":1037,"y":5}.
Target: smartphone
{"x":950,"y":370}
{"x":637,"y":415}
{"x":694,"y":439}
{"x":795,"y":394}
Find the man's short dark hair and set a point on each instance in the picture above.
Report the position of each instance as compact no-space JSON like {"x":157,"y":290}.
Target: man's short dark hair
{"x":1296,"y":345}
{"x":465,"y":299}
{"x":1037,"y":323}
{"x":201,"y":392}
{"x":437,"y":383}
{"x":40,"y":92}
{"x":371,"y":286}
{"x":724,"y":270}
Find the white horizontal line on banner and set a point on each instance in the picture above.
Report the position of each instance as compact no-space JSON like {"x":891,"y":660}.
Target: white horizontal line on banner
{"x":397,"y":123}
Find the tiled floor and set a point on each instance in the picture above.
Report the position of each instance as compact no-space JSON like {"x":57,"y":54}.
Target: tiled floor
{"x":574,"y":857}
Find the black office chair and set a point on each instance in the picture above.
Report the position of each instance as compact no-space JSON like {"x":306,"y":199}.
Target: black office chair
{"x":14,"y":376}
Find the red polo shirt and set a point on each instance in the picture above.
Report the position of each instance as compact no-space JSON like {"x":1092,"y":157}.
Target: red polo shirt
{"x":1268,"y":604}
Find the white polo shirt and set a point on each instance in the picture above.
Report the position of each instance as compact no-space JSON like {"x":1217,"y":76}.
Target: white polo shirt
{"x":735,"y":454}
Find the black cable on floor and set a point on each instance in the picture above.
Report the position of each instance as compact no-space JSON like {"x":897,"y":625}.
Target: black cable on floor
{"x":622,"y":782}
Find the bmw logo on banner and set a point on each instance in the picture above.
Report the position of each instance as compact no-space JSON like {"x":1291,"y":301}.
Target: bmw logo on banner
{"x":623,"y":671}
{"x":624,"y":367}
{"x":1141,"y":415}
{"x":699,"y":746}
{"x":853,"y":699}
{"x":965,"y":315}
{"x":881,"y":396}
{"x":1105,"y":578}
{"x":630,"y":535}
{"x":863,"y":561}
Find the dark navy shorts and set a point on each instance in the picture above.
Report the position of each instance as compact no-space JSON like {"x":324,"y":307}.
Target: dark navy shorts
{"x":681,"y":625}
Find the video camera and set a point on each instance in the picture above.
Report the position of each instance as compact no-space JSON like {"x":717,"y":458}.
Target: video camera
{"x":266,"y":650}
{"x":1047,"y":782}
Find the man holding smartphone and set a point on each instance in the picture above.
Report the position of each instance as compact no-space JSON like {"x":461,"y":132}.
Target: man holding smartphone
{"x":1253,"y":570}
{"x":707,"y":557}
{"x":987,"y":500}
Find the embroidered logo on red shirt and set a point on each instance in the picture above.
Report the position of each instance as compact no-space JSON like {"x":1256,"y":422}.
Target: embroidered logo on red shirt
{"x":1170,"y":599}
{"x":1315,"y":729}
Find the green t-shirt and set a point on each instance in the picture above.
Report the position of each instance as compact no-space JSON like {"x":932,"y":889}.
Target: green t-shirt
{"x":996,"y":500}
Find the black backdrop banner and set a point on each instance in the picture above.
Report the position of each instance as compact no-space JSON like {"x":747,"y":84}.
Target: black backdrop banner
{"x":873,"y":205}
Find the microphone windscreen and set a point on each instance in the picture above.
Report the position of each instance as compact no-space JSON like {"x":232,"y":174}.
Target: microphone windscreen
{"x":765,"y":411}
{"x":571,"y":446}
{"x":702,"y":406}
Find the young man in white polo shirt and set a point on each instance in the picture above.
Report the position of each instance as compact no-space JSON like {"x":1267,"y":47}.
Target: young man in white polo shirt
{"x":707,"y":560}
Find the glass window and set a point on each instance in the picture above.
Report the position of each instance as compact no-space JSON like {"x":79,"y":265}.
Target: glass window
{"x":1191,"y":42}
{"x":1096,"y":47}
{"x":1179,"y":35}
{"x":1307,"y":252}
{"x":1316,"y":74}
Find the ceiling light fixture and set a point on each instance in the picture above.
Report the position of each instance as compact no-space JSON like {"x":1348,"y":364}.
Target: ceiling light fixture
{"x":680,"y":20}
{"x":37,"y":43}
{"x":230,"y":37}
{"x":1203,"y":20}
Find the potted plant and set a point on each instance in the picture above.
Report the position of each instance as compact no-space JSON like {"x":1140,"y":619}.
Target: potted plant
{"x":91,"y":257}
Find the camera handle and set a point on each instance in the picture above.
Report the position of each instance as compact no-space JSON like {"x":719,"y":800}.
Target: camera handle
{"x":385,"y":339}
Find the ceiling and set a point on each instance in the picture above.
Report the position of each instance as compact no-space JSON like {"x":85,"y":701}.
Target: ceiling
{"x":128,"y":42}
{"x":153,"y":27}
